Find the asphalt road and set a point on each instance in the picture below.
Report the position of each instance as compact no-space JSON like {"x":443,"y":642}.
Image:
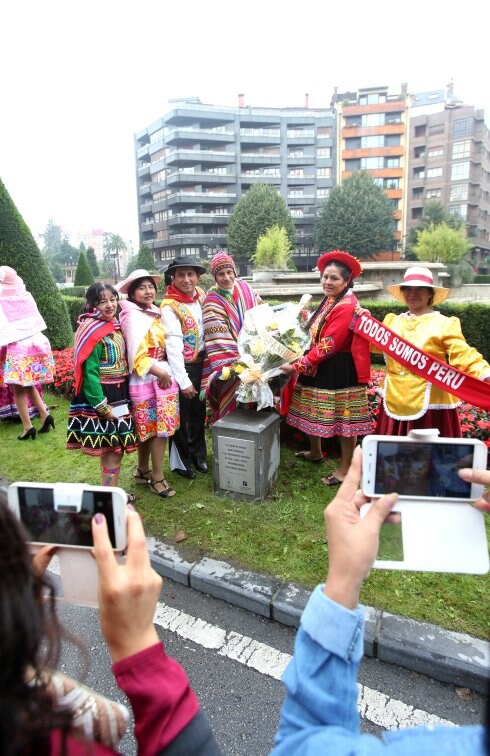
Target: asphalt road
{"x":243,"y":702}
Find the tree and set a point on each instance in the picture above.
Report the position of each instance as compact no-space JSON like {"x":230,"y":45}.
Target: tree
{"x":259,"y":209}
{"x":52,"y":237}
{"x":19,"y":250}
{"x":144,"y":259}
{"x":357,"y":217}
{"x":441,"y":244}
{"x":83,"y":274}
{"x":113,"y":246}
{"x":92,"y":261}
{"x":434,"y":213}
{"x":273,"y":249}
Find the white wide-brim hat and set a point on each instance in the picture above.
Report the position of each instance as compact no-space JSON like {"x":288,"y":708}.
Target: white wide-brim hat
{"x":123,"y":286}
{"x":423,"y":277}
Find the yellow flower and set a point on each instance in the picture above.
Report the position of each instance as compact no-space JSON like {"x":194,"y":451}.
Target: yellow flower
{"x":225,"y":373}
{"x":239,"y":369}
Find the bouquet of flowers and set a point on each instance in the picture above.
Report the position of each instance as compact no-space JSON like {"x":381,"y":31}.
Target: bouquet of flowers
{"x":270,"y":337}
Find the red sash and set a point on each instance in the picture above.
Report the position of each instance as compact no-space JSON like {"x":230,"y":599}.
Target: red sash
{"x":465,"y":387}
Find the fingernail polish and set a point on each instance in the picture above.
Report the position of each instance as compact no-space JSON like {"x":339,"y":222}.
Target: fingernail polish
{"x":98,"y":518}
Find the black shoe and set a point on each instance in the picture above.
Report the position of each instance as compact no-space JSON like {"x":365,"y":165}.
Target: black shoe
{"x":186,"y":473}
{"x":200,"y":465}
{"x":47,"y":425}
{"x":31,"y":433}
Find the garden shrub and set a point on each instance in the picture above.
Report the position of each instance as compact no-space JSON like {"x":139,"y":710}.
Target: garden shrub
{"x":19,"y":250}
{"x":75,"y":307}
{"x":482,"y":278}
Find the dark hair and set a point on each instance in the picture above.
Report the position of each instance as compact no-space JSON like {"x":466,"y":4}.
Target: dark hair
{"x":137,"y":282}
{"x":344,"y":271}
{"x":94,"y":293}
{"x":30,"y":641}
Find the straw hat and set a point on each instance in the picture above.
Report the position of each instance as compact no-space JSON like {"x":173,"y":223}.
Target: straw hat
{"x":123,"y":286}
{"x":417,"y":276}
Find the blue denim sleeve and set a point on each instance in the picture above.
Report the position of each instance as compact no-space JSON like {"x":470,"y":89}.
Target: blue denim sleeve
{"x":320,"y":714}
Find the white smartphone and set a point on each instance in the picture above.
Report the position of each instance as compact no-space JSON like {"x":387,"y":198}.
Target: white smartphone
{"x":425,"y":468}
{"x":61,"y":513}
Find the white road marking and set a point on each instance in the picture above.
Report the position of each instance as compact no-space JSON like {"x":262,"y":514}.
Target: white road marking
{"x":376,"y":707}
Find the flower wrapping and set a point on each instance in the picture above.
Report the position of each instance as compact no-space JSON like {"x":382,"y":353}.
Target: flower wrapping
{"x":270,"y":337}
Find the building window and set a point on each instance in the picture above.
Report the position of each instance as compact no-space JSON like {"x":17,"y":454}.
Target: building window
{"x":418,"y":173}
{"x":296,"y":173}
{"x":434,"y":172}
{"x":458,"y":192}
{"x":371,"y":163}
{"x":322,"y":193}
{"x":297,"y":212}
{"x":458,"y":210}
{"x":324,"y":152}
{"x":460,"y":171}
{"x":387,"y":183}
{"x":416,"y":213}
{"x":435,"y":152}
{"x":296,"y":153}
{"x":295,"y":193}
{"x":433,"y":193}
{"x":323,"y":172}
{"x":463,"y":127}
{"x":373,"y":119}
{"x":393,"y":162}
{"x":157,"y":136}
{"x":324,"y":131}
{"x":377,"y":140}
{"x":393,"y":118}
{"x":420,"y":131}
{"x":461,"y":149}
{"x":418,"y":192}
{"x":419,"y":152}
{"x":372,"y":99}
{"x":354,"y":164}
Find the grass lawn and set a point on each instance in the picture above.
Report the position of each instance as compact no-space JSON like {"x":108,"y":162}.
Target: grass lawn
{"x":284,"y":536}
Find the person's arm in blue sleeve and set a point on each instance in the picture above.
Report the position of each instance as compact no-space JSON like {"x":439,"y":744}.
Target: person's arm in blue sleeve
{"x":319,"y":714}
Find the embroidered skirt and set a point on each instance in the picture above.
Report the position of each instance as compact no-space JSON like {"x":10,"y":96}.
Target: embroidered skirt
{"x":28,"y":362}
{"x":8,"y":407}
{"x":96,"y":435}
{"x":155,"y":410}
{"x":331,"y":403}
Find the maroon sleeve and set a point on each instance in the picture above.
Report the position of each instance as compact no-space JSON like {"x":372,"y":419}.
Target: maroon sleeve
{"x":159,"y":692}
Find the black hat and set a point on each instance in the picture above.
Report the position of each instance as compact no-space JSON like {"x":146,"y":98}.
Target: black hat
{"x":185,"y":262}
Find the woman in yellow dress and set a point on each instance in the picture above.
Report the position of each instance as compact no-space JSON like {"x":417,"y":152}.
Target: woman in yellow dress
{"x":153,"y":391}
{"x":409,"y":400}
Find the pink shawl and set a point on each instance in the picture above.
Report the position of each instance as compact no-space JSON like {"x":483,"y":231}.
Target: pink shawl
{"x":135,"y":324}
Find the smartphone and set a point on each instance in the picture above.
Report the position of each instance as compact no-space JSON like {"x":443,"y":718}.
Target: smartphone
{"x":421,"y":469}
{"x":61,"y":513}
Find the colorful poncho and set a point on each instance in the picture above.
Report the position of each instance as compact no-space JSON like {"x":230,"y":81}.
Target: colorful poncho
{"x":223,"y":314}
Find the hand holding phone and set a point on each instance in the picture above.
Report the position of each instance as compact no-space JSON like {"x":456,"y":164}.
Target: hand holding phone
{"x":128,"y":592}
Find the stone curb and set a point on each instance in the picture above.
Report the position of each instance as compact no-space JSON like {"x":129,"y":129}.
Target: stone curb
{"x":455,"y":658}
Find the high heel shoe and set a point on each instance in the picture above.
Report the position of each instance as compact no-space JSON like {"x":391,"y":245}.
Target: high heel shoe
{"x":47,"y":425}
{"x":31,"y":433}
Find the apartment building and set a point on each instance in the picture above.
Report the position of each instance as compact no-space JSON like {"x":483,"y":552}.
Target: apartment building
{"x":196,"y":162}
{"x":372,"y":129}
{"x":449,"y":162}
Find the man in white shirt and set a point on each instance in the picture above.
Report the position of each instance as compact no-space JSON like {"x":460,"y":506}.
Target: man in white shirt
{"x":182,"y":319}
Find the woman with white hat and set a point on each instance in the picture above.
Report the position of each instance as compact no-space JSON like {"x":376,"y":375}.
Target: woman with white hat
{"x":153,"y":391}
{"x":26,"y":359}
{"x":410,"y":400}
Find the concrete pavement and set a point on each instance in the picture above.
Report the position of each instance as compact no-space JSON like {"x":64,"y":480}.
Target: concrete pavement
{"x":455,"y":658}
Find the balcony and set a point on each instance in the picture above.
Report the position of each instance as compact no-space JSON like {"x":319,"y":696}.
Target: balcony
{"x":146,"y":208}
{"x":204,"y":177}
{"x":142,"y":152}
{"x":194,"y":198}
{"x":180,"y":219}
{"x":144,"y":190}
{"x":200,"y":156}
{"x":302,"y":180}
{"x":261,"y":178}
{"x":258,"y":158}
{"x":292,"y":199}
{"x":144,"y":170}
{"x":188,"y":134}
{"x":192,"y":239}
{"x":146,"y":226}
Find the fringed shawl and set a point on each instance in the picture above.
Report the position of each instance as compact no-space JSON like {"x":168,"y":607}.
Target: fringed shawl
{"x":135,"y":324}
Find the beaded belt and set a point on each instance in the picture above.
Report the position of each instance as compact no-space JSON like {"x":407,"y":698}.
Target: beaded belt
{"x":158,"y":353}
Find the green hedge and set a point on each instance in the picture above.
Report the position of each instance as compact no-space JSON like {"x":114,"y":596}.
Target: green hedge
{"x":75,"y":307}
{"x":74,"y":291}
{"x":474,"y":317}
{"x":482,"y":278}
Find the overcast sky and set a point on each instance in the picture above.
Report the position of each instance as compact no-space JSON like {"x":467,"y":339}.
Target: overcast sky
{"x":78,"y":82}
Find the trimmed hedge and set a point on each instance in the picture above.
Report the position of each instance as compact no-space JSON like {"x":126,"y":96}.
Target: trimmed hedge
{"x":19,"y":250}
{"x":75,"y":307}
{"x":474,"y":317}
{"x":482,"y":278}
